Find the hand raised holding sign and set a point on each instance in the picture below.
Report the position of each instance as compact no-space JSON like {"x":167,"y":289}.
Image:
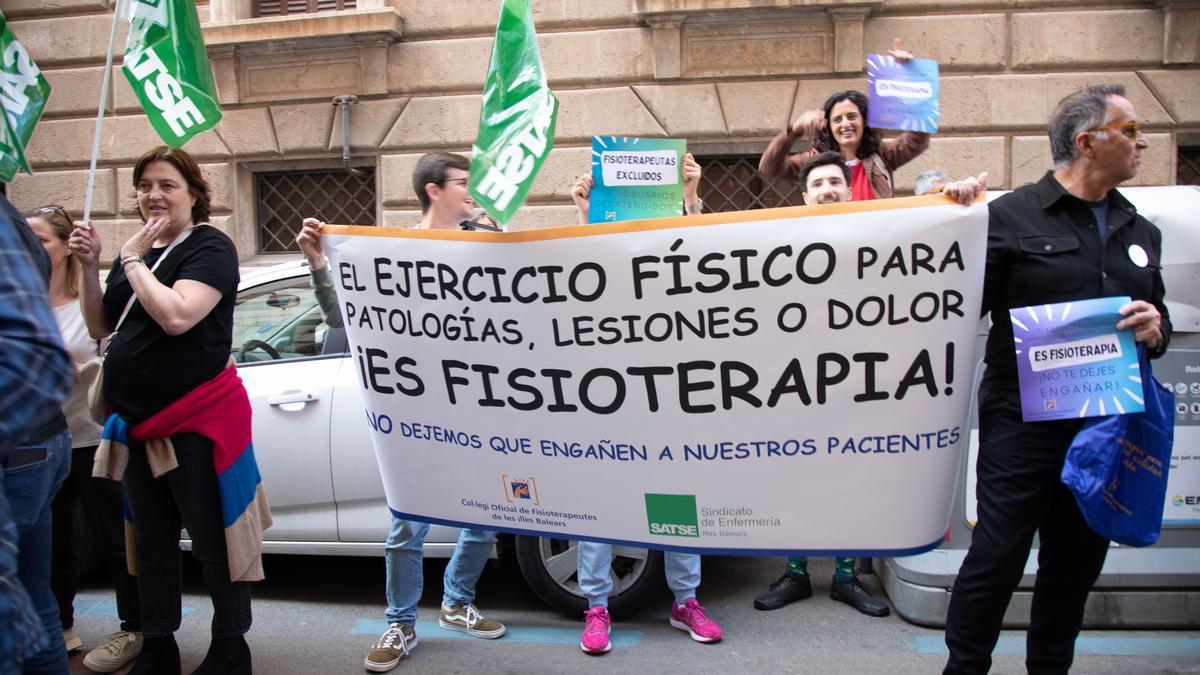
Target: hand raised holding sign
{"x":899,"y":53}
{"x":581,"y":189}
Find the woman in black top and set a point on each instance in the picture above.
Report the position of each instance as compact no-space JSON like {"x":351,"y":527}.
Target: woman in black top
{"x":175,"y":338}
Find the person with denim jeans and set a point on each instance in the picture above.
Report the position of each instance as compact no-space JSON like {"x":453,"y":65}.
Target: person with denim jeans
{"x":82,"y":495}
{"x":35,"y":376}
{"x":33,"y":472}
{"x":595,"y":559}
{"x":594,"y":571}
{"x":440,"y":181}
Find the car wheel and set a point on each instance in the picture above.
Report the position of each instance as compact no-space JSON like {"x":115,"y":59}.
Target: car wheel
{"x":549,"y":567}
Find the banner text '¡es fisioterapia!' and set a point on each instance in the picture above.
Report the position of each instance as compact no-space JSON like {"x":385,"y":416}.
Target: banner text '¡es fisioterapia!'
{"x":697,"y":385}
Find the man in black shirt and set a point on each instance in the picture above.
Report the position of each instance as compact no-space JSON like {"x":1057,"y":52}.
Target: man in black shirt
{"x":1070,"y":236}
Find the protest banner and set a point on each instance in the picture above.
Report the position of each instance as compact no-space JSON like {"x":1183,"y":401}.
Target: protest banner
{"x":758,"y":382}
{"x":167,"y":67}
{"x":636,"y":178}
{"x":1073,"y":362}
{"x":903,"y":95}
{"x":516,"y":123}
{"x":23,"y":95}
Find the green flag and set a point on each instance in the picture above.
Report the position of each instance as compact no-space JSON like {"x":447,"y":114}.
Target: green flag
{"x":516,"y":125}
{"x":167,"y":66}
{"x":23,"y":94}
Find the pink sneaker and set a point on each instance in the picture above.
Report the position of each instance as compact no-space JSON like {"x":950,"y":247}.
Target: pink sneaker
{"x":595,"y":631}
{"x":690,"y":617}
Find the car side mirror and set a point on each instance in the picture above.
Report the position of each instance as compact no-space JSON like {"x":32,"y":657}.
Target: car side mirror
{"x":283,"y":300}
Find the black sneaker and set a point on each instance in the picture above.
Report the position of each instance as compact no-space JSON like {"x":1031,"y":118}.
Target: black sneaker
{"x":853,"y":593}
{"x":789,"y":588}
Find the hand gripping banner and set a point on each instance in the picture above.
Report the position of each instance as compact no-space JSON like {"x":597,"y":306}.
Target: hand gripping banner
{"x":758,"y":382}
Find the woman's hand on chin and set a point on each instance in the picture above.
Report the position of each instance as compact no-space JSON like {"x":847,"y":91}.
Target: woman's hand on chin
{"x":143,"y":239}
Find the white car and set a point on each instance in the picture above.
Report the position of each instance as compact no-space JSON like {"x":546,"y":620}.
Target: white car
{"x":316,"y":458}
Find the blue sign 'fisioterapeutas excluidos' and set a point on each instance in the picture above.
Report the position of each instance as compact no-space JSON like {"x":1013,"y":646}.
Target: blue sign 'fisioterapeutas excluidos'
{"x":636,"y":178}
{"x":902,"y":95}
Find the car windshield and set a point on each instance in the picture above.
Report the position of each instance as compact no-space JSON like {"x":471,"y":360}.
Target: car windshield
{"x":284,"y":316}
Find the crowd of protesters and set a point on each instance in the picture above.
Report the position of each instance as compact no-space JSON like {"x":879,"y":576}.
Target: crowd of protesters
{"x":174,"y":418}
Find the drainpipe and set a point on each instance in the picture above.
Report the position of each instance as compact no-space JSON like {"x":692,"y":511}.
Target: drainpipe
{"x":343,"y":103}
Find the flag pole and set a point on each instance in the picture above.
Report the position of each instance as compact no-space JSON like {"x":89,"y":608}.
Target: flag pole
{"x":91,"y":179}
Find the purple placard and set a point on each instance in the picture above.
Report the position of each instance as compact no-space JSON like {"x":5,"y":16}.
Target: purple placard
{"x":903,"y":96}
{"x":1073,"y":362}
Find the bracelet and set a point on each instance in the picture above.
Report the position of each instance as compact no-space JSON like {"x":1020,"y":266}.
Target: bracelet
{"x":693,"y":208}
{"x":130,"y":259}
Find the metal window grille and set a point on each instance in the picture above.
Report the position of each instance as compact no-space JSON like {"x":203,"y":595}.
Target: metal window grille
{"x":286,"y":7}
{"x":1188,"y":172}
{"x":733,"y":183}
{"x":286,"y":198}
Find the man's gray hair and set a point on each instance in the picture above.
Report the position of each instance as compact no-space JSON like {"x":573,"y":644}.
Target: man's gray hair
{"x":1078,"y":112}
{"x":925,"y":181}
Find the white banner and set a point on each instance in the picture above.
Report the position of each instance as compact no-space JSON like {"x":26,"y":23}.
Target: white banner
{"x":759,"y":382}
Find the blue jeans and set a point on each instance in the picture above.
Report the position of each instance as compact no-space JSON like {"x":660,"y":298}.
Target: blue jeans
{"x":32,"y":477}
{"x":595,"y":573}
{"x":403,"y":554}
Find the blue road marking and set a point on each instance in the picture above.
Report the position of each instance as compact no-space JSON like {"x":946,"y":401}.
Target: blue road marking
{"x":517,"y":634}
{"x":1014,"y":645}
{"x":104,"y":607}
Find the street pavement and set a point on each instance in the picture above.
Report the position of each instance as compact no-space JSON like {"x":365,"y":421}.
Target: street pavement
{"x":321,"y":614}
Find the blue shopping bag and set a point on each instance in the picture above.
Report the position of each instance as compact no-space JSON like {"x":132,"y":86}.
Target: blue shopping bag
{"x":1117,"y":466}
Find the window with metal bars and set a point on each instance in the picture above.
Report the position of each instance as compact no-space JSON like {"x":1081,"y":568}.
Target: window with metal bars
{"x":286,"y":7}
{"x":733,"y":183}
{"x":1188,"y":172}
{"x":285,"y":198}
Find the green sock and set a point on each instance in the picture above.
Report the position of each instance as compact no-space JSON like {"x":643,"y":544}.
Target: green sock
{"x":799,"y":565}
{"x":843,"y":569}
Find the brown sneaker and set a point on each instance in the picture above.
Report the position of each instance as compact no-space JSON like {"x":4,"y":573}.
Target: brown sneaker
{"x":467,"y":619}
{"x":395,"y":643}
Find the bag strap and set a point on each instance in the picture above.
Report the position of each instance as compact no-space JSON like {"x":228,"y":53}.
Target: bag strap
{"x":133,"y":296}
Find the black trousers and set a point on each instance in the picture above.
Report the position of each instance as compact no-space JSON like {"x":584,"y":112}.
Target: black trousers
{"x":187,"y":495}
{"x":102,"y":508}
{"x":1019,"y":493}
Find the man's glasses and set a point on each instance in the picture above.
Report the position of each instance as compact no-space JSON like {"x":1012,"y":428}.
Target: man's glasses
{"x":1130,"y":129}
{"x":460,"y":181}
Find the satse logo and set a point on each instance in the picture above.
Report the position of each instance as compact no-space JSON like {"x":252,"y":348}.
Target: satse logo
{"x":673,"y":515}
{"x":163,"y":90}
{"x":518,"y":158}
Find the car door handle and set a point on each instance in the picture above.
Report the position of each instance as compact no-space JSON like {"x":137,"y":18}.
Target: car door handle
{"x":293,"y":397}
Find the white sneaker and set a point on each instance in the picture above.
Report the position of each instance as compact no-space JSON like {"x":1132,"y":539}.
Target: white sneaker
{"x":72,"y":640}
{"x":119,"y":649}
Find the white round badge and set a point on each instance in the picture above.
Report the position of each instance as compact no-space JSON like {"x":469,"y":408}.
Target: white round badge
{"x":1138,"y":255}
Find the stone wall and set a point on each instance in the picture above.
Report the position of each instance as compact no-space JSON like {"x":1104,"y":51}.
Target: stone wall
{"x":724,"y":74}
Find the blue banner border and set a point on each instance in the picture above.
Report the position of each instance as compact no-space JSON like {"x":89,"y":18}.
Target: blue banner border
{"x":858,"y":553}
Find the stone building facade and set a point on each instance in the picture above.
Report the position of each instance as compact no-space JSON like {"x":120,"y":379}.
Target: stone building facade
{"x":724,"y":74}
